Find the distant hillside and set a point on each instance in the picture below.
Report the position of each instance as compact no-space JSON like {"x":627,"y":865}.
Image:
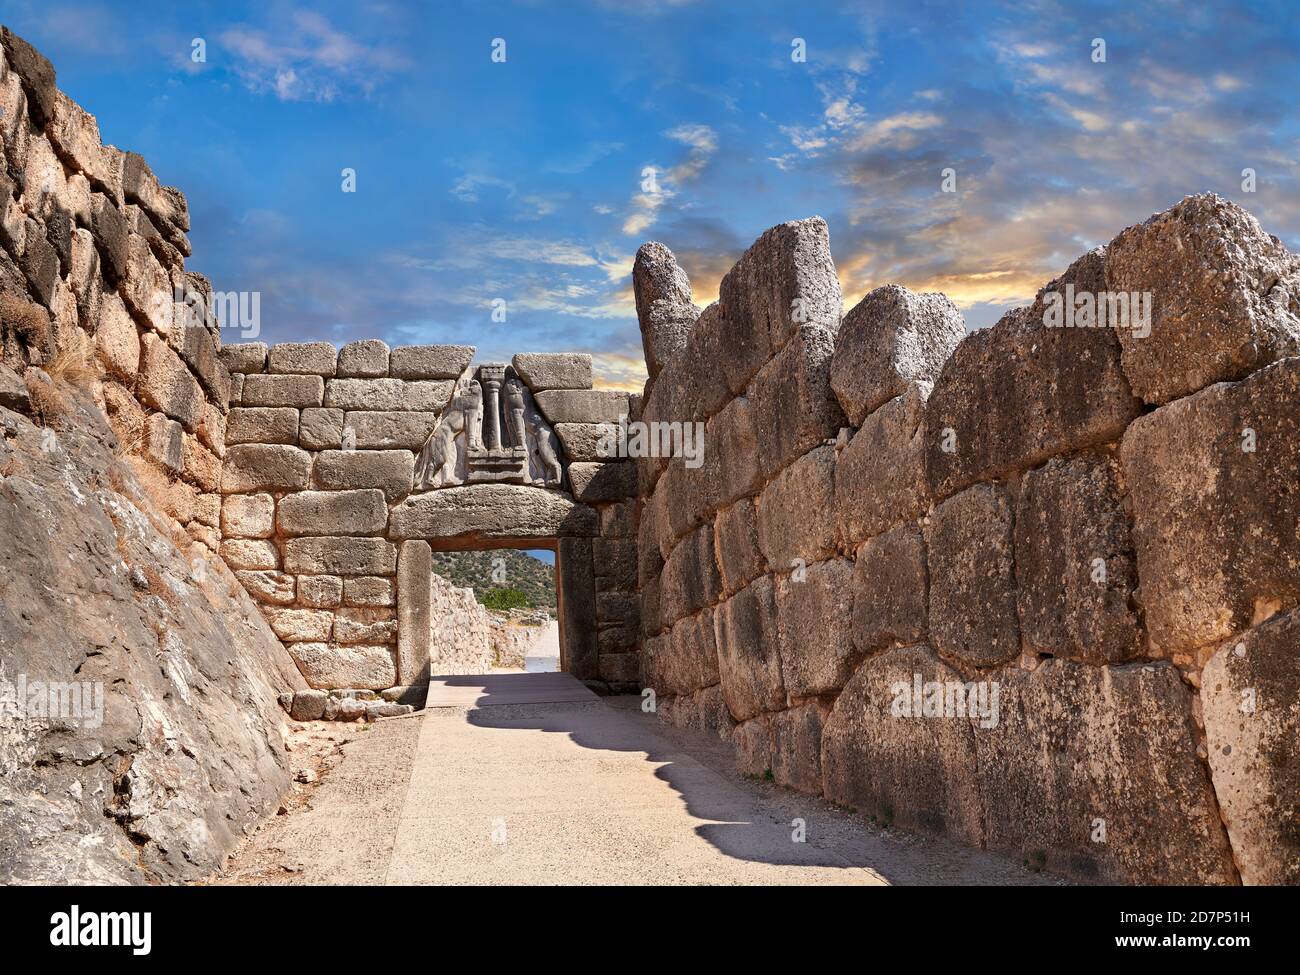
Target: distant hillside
{"x":534,"y":578}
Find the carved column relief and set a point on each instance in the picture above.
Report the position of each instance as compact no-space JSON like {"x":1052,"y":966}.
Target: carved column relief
{"x":491,"y":431}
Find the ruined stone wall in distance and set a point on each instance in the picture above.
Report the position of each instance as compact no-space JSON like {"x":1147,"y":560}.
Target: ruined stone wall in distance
{"x":1102,"y":524}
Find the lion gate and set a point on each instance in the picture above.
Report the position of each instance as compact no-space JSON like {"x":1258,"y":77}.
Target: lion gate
{"x":346,"y":469}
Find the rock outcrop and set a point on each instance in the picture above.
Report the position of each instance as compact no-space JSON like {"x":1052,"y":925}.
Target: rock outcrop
{"x":140,"y":735}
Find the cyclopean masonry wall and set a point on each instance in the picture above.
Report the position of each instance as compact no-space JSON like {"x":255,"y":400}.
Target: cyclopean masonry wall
{"x":345,"y":469}
{"x":1100,"y":526}
{"x":93,"y":244}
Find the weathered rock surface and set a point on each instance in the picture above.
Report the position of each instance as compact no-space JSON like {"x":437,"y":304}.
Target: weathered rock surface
{"x":554,"y":370}
{"x":973,"y":577}
{"x":891,"y":339}
{"x":188,"y":755}
{"x":1013,"y":395}
{"x":490,"y":511}
{"x":1250,"y":697}
{"x":901,"y":766}
{"x":1225,"y":297}
{"x":1094,"y":771}
{"x":814,"y":609}
{"x":890,"y":591}
{"x":880,"y":477}
{"x":663,"y":304}
{"x":749,"y":657}
{"x":1075,"y":565}
{"x":1215,"y":537}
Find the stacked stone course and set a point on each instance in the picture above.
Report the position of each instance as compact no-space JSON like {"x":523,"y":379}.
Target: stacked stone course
{"x":1100,"y":524}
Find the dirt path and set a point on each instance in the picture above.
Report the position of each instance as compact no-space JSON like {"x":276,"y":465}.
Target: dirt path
{"x":514,"y":782}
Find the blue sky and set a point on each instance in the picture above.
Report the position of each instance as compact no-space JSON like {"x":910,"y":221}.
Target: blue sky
{"x":522,"y":180}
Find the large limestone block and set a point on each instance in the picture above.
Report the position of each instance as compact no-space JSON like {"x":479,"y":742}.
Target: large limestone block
{"x":283,"y":390}
{"x":301,"y":625}
{"x":885,"y":756}
{"x":250,"y":553}
{"x":749,"y":650}
{"x":587,"y":441}
{"x":1225,"y":297}
{"x":164,"y":442}
{"x":1095,"y":769}
{"x":321,"y":428}
{"x":891,"y":339}
{"x":199,"y":350}
{"x":615,"y":563}
{"x":391,"y":471}
{"x":612,"y":481}
{"x":329,"y":666}
{"x":735,"y":536}
{"x":1216,"y":524}
{"x":265,"y":467}
{"x":303,"y":358}
{"x":388,"y":429}
{"x":370,"y":590}
{"x":367,"y":359}
{"x":36,"y":74}
{"x":335,"y":555}
{"x":579,"y":646}
{"x":165,"y":204}
{"x":414,"y":611}
{"x":972,"y":577}
{"x":554,"y":370}
{"x":472,"y":512}
{"x":796,"y":512}
{"x":794,"y":408}
{"x":245,"y":357}
{"x":387,"y":395}
{"x":752,"y":741}
{"x":337,"y":512}
{"x":1250,"y":696}
{"x":890,"y":587}
{"x":690,"y":578}
{"x":268,"y":587}
{"x":1013,"y":395}
{"x":322,"y":592}
{"x":730,"y":468}
{"x":167,"y":385}
{"x":369,"y":624}
{"x":583,"y":405}
{"x":429,"y":361}
{"x":814,"y":610}
{"x":1075,"y":563}
{"x":148,"y":288}
{"x":200,"y":465}
{"x":786,"y":280}
{"x":880,"y":477}
{"x":663,"y":304}
{"x":117,"y":342}
{"x":685,"y":658}
{"x":698,"y":373}
{"x":248,"y":516}
{"x":262,"y":424}
{"x":797,"y":747}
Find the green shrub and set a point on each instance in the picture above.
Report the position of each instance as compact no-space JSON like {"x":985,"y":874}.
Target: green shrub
{"x":503,"y":599}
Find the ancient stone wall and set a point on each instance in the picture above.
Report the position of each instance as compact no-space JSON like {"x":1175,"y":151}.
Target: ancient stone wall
{"x":345,"y":468}
{"x":93,"y":246}
{"x":140,"y":735}
{"x":1034,"y":587}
